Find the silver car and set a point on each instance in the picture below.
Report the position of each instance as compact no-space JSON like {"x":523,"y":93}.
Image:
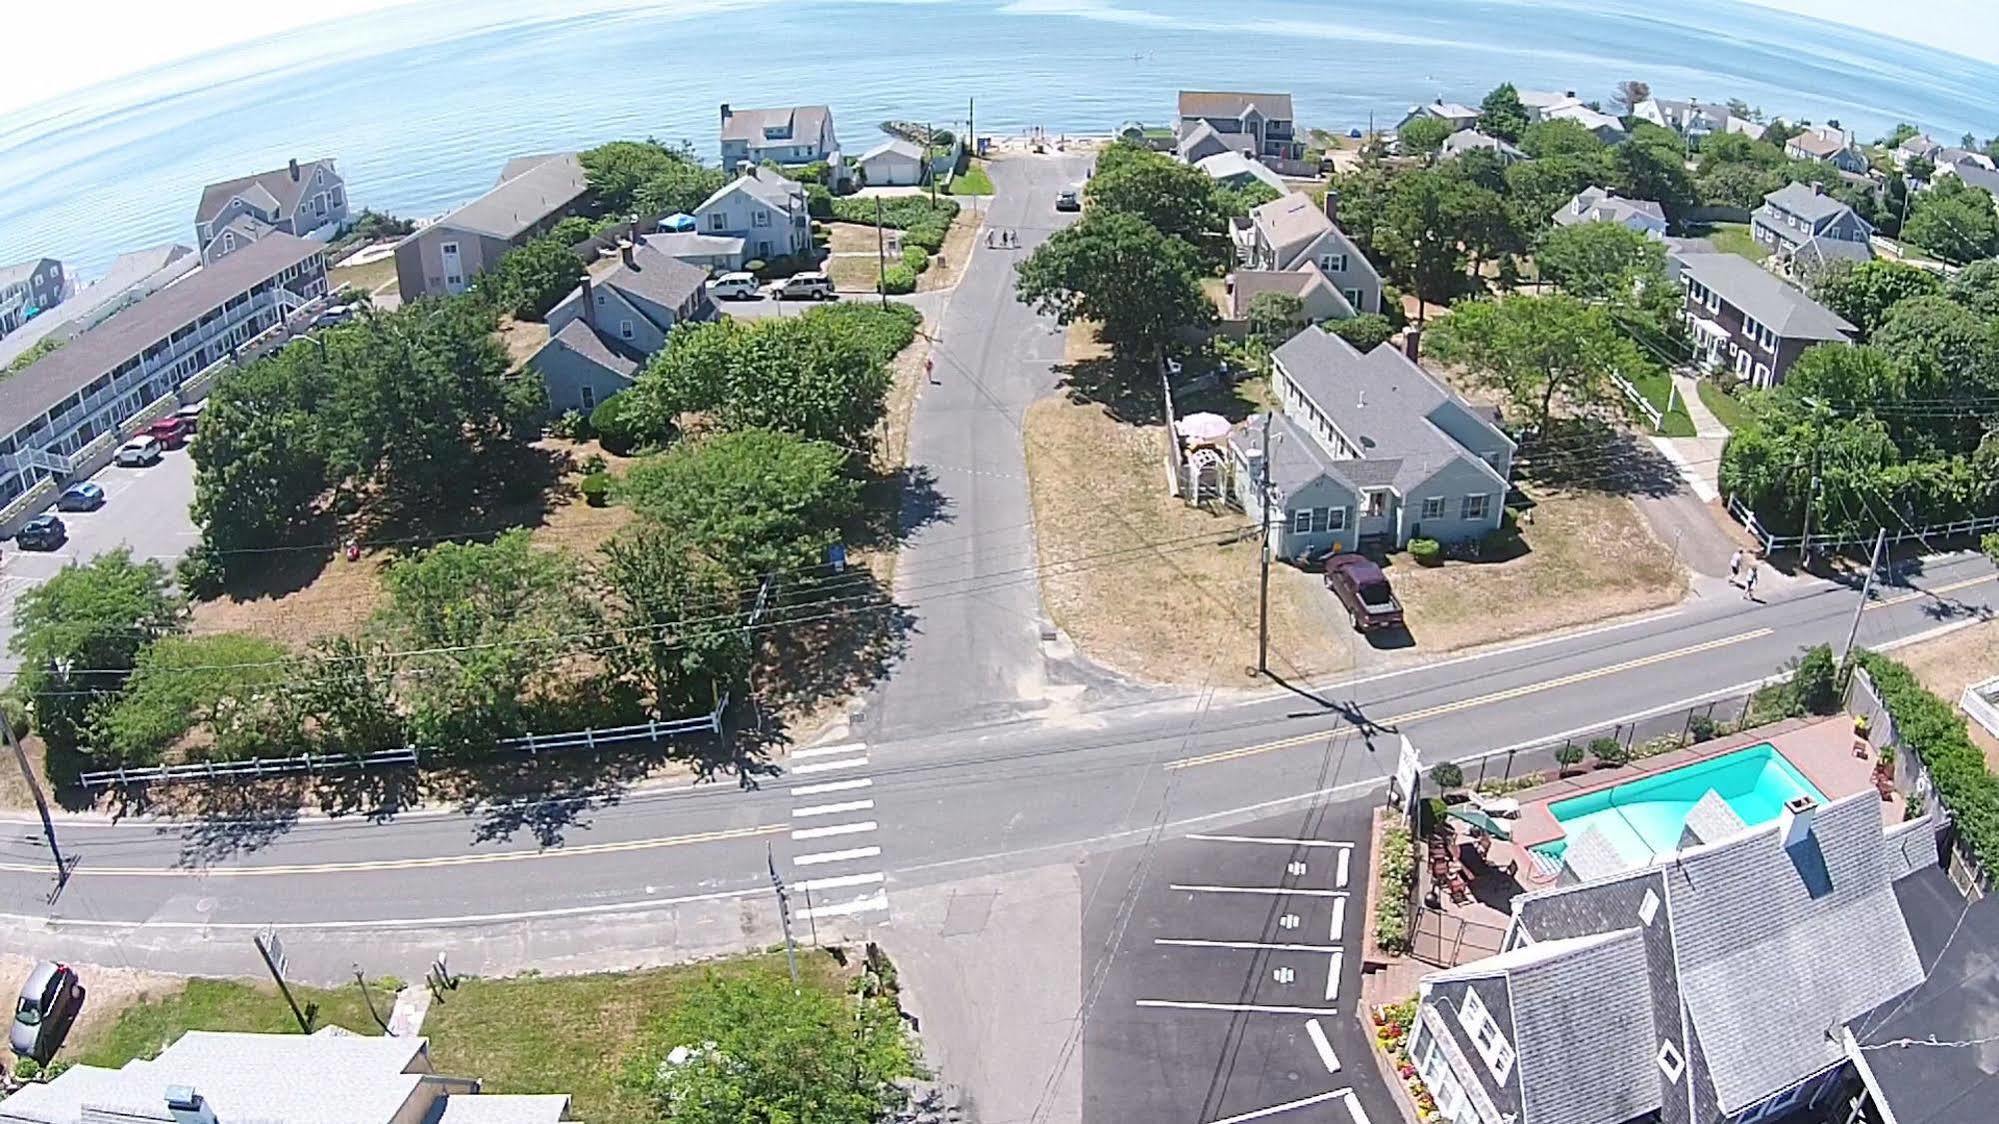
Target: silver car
{"x":48,"y":1003}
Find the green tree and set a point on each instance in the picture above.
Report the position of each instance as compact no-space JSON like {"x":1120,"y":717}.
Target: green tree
{"x":681,"y":186}
{"x":1362,"y":195}
{"x":1901,"y":132}
{"x":572,"y":229}
{"x":1540,"y":351}
{"x":79,"y":634}
{"x":620,"y":172}
{"x":1433,"y":228}
{"x":1120,"y":271}
{"x":1652,"y":165}
{"x":1611,"y":264}
{"x":1864,"y":293}
{"x":755,"y":501}
{"x":260,"y":463}
{"x":1174,"y":198}
{"x":1944,"y":349}
{"x":1365,"y":332}
{"x":1238,"y":202}
{"x":1536,"y":189}
{"x":757,"y":1049}
{"x":1275,"y":317}
{"x":489,"y":625}
{"x":231,"y":686}
{"x":1544,"y":139}
{"x":345,"y":687}
{"x":1976,"y":287}
{"x":1424,"y":136}
{"x":1501,"y":113}
{"x":680,"y":617}
{"x":1815,"y":682}
{"x":530,"y":280}
{"x":1954,"y":221}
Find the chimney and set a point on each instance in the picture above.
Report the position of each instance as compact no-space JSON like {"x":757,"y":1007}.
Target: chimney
{"x":1797,"y":819}
{"x":186,"y":1106}
{"x":627,"y":247}
{"x":1333,"y":205}
{"x":744,"y":167}
{"x":1568,"y":93}
{"x":726,"y":114}
{"x":589,"y":304}
{"x":1412,"y":344}
{"x":293,"y":166}
{"x":1817,"y":190}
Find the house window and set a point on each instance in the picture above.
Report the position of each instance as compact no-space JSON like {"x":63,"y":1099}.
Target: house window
{"x":761,"y":218}
{"x":1377,"y":504}
{"x":1649,"y":908}
{"x":1433,"y":507}
{"x":1474,"y":507}
{"x":1301,"y":521}
{"x":1333,"y":263}
{"x":1670,"y":1062}
{"x":1762,"y":374}
{"x":448,"y":248}
{"x":718,"y":221}
{"x":1337,"y":519}
{"x":1485,"y":1035}
{"x":624,"y":329}
{"x":588,"y":396}
{"x":1353,"y":298}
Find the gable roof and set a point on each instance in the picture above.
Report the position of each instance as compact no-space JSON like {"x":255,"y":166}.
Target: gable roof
{"x":597,"y":347}
{"x":764,"y":184}
{"x":1229,"y":103}
{"x":1445,"y":110}
{"x":21,"y":271}
{"x":1229,"y":165}
{"x":1465,"y":140}
{"x":518,"y":204}
{"x":1918,"y":145}
{"x":1585,"y":116}
{"x":656,"y":276}
{"x":1710,"y":820}
{"x":1295,"y":458}
{"x":1806,"y":202}
{"x":796,"y":122}
{"x":1248,"y":284}
{"x":1546,"y":99}
{"x":1594,"y":204}
{"x":1977,"y":175}
{"x":155,"y":265}
{"x":275,"y":189}
{"x":896,"y":145}
{"x":686,"y":244}
{"x":519,"y":164}
{"x":1823,"y":251}
{"x":1291,"y":222}
{"x":1779,"y":306}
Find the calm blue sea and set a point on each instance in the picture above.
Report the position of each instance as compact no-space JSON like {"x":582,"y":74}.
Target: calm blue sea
{"x":420,"y":106}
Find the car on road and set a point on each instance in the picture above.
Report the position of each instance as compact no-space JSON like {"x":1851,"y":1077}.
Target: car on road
{"x":1364,"y":590}
{"x":43,"y":532}
{"x":811,"y":285}
{"x":48,"y":1003}
{"x":734,"y":287}
{"x":171,"y":431}
{"x":82,"y":496}
{"x":1068,"y":199}
{"x":138,"y":452}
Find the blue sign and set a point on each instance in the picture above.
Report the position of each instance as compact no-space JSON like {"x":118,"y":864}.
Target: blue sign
{"x":836,"y":556}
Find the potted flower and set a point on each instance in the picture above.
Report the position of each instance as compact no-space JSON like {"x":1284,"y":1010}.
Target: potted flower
{"x":1861,"y":725}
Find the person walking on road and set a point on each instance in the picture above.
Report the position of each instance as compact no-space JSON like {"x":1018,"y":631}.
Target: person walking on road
{"x":1749,"y":583}
{"x":1734,"y":566}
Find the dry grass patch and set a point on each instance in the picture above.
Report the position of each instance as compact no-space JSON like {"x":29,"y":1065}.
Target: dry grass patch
{"x":948,"y":264}
{"x":1217,"y":291}
{"x":1590,"y":558}
{"x":854,"y":274}
{"x":522,"y":338}
{"x":853,"y":237}
{"x":1948,"y":664}
{"x":367,"y":278}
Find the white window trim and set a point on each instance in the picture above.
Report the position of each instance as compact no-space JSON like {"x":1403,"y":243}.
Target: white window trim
{"x":625,"y":331}
{"x":1431,"y":503}
{"x":1481,"y":500}
{"x":1301,"y":521}
{"x":1338,"y":519}
{"x":1671,"y":1062}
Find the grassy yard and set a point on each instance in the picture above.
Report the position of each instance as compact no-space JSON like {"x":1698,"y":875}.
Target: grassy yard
{"x":367,"y":278}
{"x":1734,"y":238}
{"x":575,"y":1034}
{"x":1726,"y":408}
{"x":145,"y":1028}
{"x":1657,"y":388}
{"x":973,"y":181}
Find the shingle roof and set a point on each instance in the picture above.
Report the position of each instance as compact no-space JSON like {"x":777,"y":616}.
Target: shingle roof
{"x":896,"y":145}
{"x":1295,"y":456}
{"x":1977,"y":175}
{"x":1710,"y":820}
{"x":1227,"y":103}
{"x":523,"y":201}
{"x":656,"y":276}
{"x":60,"y":373}
{"x":1598,"y":205}
{"x":590,"y":344}
{"x":1594,"y":854}
{"x":1252,"y":283}
{"x":1545,"y":99}
{"x":519,"y":164}
{"x":20,"y":271}
{"x":1817,"y":144}
{"x":765,"y":185}
{"x":276,"y":185}
{"x":691,"y":244}
{"x":1585,"y":116}
{"x":1779,"y":306}
{"x":1584,"y":1071}
{"x":1465,"y":140}
{"x":1291,"y":223}
{"x":1229,"y":165}
{"x":1805,"y":202}
{"x":125,"y":273}
{"x":751,"y":125}
{"x":1918,"y":145}
{"x":1820,"y":251}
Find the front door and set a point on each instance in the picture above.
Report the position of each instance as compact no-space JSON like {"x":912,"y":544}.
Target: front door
{"x":454,"y":268}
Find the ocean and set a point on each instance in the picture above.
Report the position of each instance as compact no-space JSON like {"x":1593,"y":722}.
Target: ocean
{"x":420,"y":106}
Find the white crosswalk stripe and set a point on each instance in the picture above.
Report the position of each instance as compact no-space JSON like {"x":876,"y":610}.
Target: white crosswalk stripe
{"x":861,"y":827}
{"x":832,"y":809}
{"x":845,"y":882}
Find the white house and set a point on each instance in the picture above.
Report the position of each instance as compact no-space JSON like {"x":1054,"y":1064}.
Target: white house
{"x":1594,"y":204}
{"x":767,"y":211}
{"x":1539,"y":102}
{"x":1608,"y":129}
{"x":792,"y":134}
{"x":894,"y":162}
{"x":1292,"y":233}
{"x":1449,"y":112}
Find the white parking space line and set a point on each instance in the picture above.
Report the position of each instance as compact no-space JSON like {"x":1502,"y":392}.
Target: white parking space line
{"x":831,"y":786}
{"x":827,"y":766}
{"x":1272,"y":839}
{"x":1187,"y":942}
{"x":836,"y":856}
{"x":833,"y":809}
{"x":857,"y":828}
{"x":1346,"y":858}
{"x":1317,"y":1034}
{"x":1251,"y":1008}
{"x":1339,"y":916}
{"x":874,"y":901}
{"x":828,"y":750}
{"x":842,"y":881}
{"x":1279,"y":891}
{"x":1354,"y":1110}
{"x":1303,"y":1102}
{"x":1333,"y":969}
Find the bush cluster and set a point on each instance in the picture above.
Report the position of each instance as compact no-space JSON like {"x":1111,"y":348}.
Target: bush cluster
{"x":897,"y":280}
{"x":1609,"y":752}
{"x":915,"y":259}
{"x":1936,"y":732}
{"x":1398,"y":882}
{"x":1426,"y":552}
{"x":922,"y":223}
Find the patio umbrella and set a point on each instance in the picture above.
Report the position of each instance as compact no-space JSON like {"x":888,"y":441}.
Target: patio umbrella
{"x":1203,"y":427}
{"x":1479,"y":820}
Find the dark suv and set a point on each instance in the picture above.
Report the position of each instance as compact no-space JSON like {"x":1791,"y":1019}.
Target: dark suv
{"x":43,"y":532}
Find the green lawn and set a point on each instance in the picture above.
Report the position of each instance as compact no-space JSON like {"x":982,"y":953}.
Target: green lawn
{"x":1734,"y":238}
{"x":143,"y":1030}
{"x":1656,"y":388}
{"x":366,"y":278}
{"x":1726,"y":408}
{"x":574,"y":1034}
{"x":972,"y":181}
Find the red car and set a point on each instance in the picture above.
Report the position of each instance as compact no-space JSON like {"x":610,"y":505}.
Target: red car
{"x":1363,"y":589}
{"x":171,"y":431}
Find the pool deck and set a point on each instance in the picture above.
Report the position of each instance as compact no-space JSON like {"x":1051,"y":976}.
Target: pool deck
{"x":1820,"y":748}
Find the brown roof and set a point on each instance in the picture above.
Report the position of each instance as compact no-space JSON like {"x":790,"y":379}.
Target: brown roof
{"x":277,"y":183}
{"x":100,"y":350}
{"x":1227,"y":103}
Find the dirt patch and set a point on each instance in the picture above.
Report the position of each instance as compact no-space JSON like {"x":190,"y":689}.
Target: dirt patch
{"x":522,"y":338}
{"x":106,"y":992}
{"x":1948,"y":664}
{"x":948,"y":264}
{"x":1590,"y":557}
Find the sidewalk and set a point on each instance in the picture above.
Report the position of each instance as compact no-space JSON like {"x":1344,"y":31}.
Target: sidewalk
{"x":1698,"y":457}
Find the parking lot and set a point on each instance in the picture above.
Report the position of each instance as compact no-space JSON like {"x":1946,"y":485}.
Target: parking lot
{"x":1233,"y":991}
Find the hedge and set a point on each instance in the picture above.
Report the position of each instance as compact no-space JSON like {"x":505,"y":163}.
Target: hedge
{"x":1935,"y":731}
{"x":922,"y":223}
{"x":884,"y":331}
{"x":1398,"y":882}
{"x":915,"y":259}
{"x":897,"y":280}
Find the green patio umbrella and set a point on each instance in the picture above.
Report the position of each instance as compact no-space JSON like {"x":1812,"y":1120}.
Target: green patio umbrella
{"x":1479,"y":820}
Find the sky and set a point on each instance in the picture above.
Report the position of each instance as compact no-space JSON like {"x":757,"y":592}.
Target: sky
{"x":67,"y":45}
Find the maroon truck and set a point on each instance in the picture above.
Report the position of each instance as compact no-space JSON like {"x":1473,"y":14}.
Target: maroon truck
{"x":1363,"y":589}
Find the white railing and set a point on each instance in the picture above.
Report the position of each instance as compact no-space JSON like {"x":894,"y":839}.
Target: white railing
{"x":1774,"y":542}
{"x":1977,"y":702}
{"x":1645,"y":408}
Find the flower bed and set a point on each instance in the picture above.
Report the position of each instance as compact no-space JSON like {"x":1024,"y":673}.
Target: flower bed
{"x":1392,"y":1024}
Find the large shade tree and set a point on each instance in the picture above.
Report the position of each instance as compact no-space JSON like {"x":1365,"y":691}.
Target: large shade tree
{"x":1115,"y":269}
{"x":1545,"y":353}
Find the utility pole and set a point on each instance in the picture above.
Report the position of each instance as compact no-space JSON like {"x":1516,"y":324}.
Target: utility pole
{"x":881,"y":255}
{"x":272,"y":949}
{"x":1866,"y":590}
{"x":930,"y":141}
{"x":1263,"y":580}
{"x":1811,"y":490}
{"x":971,"y":129}
{"x":41,"y":802}
{"x":783,"y":916}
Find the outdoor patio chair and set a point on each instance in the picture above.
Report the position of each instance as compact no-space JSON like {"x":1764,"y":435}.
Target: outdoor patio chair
{"x":1498,"y":807}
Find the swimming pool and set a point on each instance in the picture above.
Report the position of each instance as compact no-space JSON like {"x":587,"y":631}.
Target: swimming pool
{"x":1643,"y":818}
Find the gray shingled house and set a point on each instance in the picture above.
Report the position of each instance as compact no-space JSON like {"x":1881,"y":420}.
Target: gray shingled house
{"x":606,"y":328}
{"x":1708,"y":987}
{"x":447,"y":255}
{"x":1797,"y":220}
{"x":1368,"y":450}
{"x":308,"y":200}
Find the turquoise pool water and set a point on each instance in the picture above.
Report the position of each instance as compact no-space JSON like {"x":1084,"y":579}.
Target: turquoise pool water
{"x":1643,"y":818}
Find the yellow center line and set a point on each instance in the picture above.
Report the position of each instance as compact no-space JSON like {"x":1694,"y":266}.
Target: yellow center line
{"x":409,"y":864}
{"x":1922,"y":593}
{"x":1477,"y":701}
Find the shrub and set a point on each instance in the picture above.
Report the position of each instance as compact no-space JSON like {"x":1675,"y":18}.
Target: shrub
{"x":922,"y":223}
{"x":596,"y":489}
{"x":613,"y":431}
{"x":1989,"y":543}
{"x":1426,"y":552}
{"x":915,"y":258}
{"x":1935,"y":732}
{"x":569,"y":425}
{"x":1398,"y":881}
{"x":200,"y":572}
{"x":1609,"y":752}
{"x":884,"y":331}
{"x":27,"y":1069}
{"x":14,"y":711}
{"x":898,"y":279}
{"x":594,"y":464}
{"x":1815,"y":684}
{"x":1448,"y":776}
{"x":1702,"y":727}
{"x":1569,"y":756}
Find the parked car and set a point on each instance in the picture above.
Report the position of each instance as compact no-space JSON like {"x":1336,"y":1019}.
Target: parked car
{"x":138,"y":452}
{"x":43,"y":532}
{"x":192,"y":413}
{"x":1363,"y":589}
{"x":1068,"y":199}
{"x":83,"y":496}
{"x":49,"y":1000}
{"x":170,"y":431}
{"x":334,"y":317}
{"x":811,"y":285}
{"x":734,"y":287}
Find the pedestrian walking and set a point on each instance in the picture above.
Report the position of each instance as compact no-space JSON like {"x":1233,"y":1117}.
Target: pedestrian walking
{"x":989,"y":245}
{"x":1734,"y":566}
{"x":1749,"y":583}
